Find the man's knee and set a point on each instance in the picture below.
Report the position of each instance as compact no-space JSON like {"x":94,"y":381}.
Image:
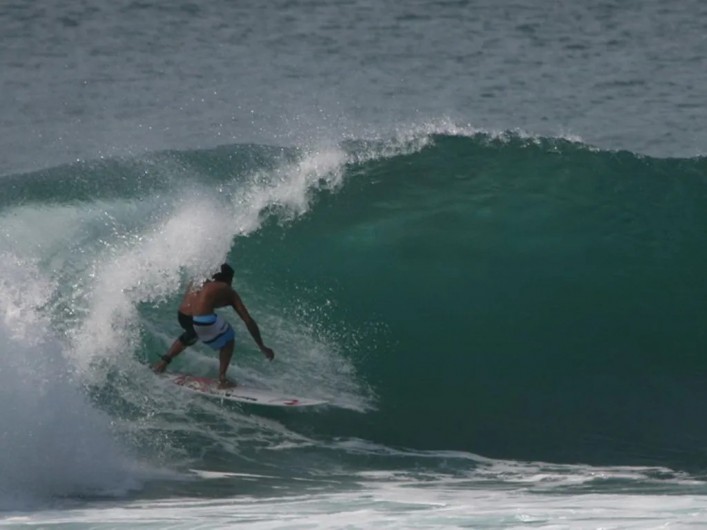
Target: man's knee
{"x":188,"y":338}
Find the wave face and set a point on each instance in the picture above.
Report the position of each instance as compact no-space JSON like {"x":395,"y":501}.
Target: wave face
{"x":520,"y":298}
{"x":528,"y":298}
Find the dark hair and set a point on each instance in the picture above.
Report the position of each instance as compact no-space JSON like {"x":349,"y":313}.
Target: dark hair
{"x":226,"y":274}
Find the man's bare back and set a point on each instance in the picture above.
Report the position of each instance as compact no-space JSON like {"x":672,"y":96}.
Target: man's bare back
{"x":205,"y":299}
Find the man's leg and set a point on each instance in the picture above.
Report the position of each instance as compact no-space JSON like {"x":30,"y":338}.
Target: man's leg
{"x":175,"y":349}
{"x":225,"y":355}
{"x":182,"y":342}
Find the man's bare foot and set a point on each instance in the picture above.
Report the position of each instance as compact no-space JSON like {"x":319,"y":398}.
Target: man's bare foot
{"x":159,"y":367}
{"x":226,"y":383}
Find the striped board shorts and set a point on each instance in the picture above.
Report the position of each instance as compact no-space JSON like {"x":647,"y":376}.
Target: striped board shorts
{"x":213,"y":330}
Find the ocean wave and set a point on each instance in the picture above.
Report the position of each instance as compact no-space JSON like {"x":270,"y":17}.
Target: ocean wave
{"x":500,"y":293}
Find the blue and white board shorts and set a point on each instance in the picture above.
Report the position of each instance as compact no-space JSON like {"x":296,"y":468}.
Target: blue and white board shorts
{"x":213,"y":330}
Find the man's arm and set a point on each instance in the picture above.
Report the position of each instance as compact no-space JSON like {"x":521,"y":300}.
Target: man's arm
{"x":252,"y":326}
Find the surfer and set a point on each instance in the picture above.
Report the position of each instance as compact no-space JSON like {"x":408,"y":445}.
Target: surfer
{"x":198,"y":319}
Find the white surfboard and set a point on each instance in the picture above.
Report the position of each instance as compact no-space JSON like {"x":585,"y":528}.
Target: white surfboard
{"x":255,"y":396}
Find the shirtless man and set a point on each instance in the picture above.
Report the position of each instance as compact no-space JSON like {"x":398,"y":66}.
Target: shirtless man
{"x":198,"y":319}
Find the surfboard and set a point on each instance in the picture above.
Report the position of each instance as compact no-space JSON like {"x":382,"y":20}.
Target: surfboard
{"x":243,"y":394}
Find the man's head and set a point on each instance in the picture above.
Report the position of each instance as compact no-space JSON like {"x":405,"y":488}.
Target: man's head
{"x":226,"y":274}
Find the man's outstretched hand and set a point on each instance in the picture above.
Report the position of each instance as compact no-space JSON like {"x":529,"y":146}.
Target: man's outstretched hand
{"x":269,"y":354}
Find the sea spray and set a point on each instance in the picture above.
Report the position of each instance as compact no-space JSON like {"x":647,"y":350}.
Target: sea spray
{"x":54,"y":443}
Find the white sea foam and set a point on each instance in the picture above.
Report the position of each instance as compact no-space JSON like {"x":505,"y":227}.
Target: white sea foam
{"x":54,"y":444}
{"x":402,"y":504}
